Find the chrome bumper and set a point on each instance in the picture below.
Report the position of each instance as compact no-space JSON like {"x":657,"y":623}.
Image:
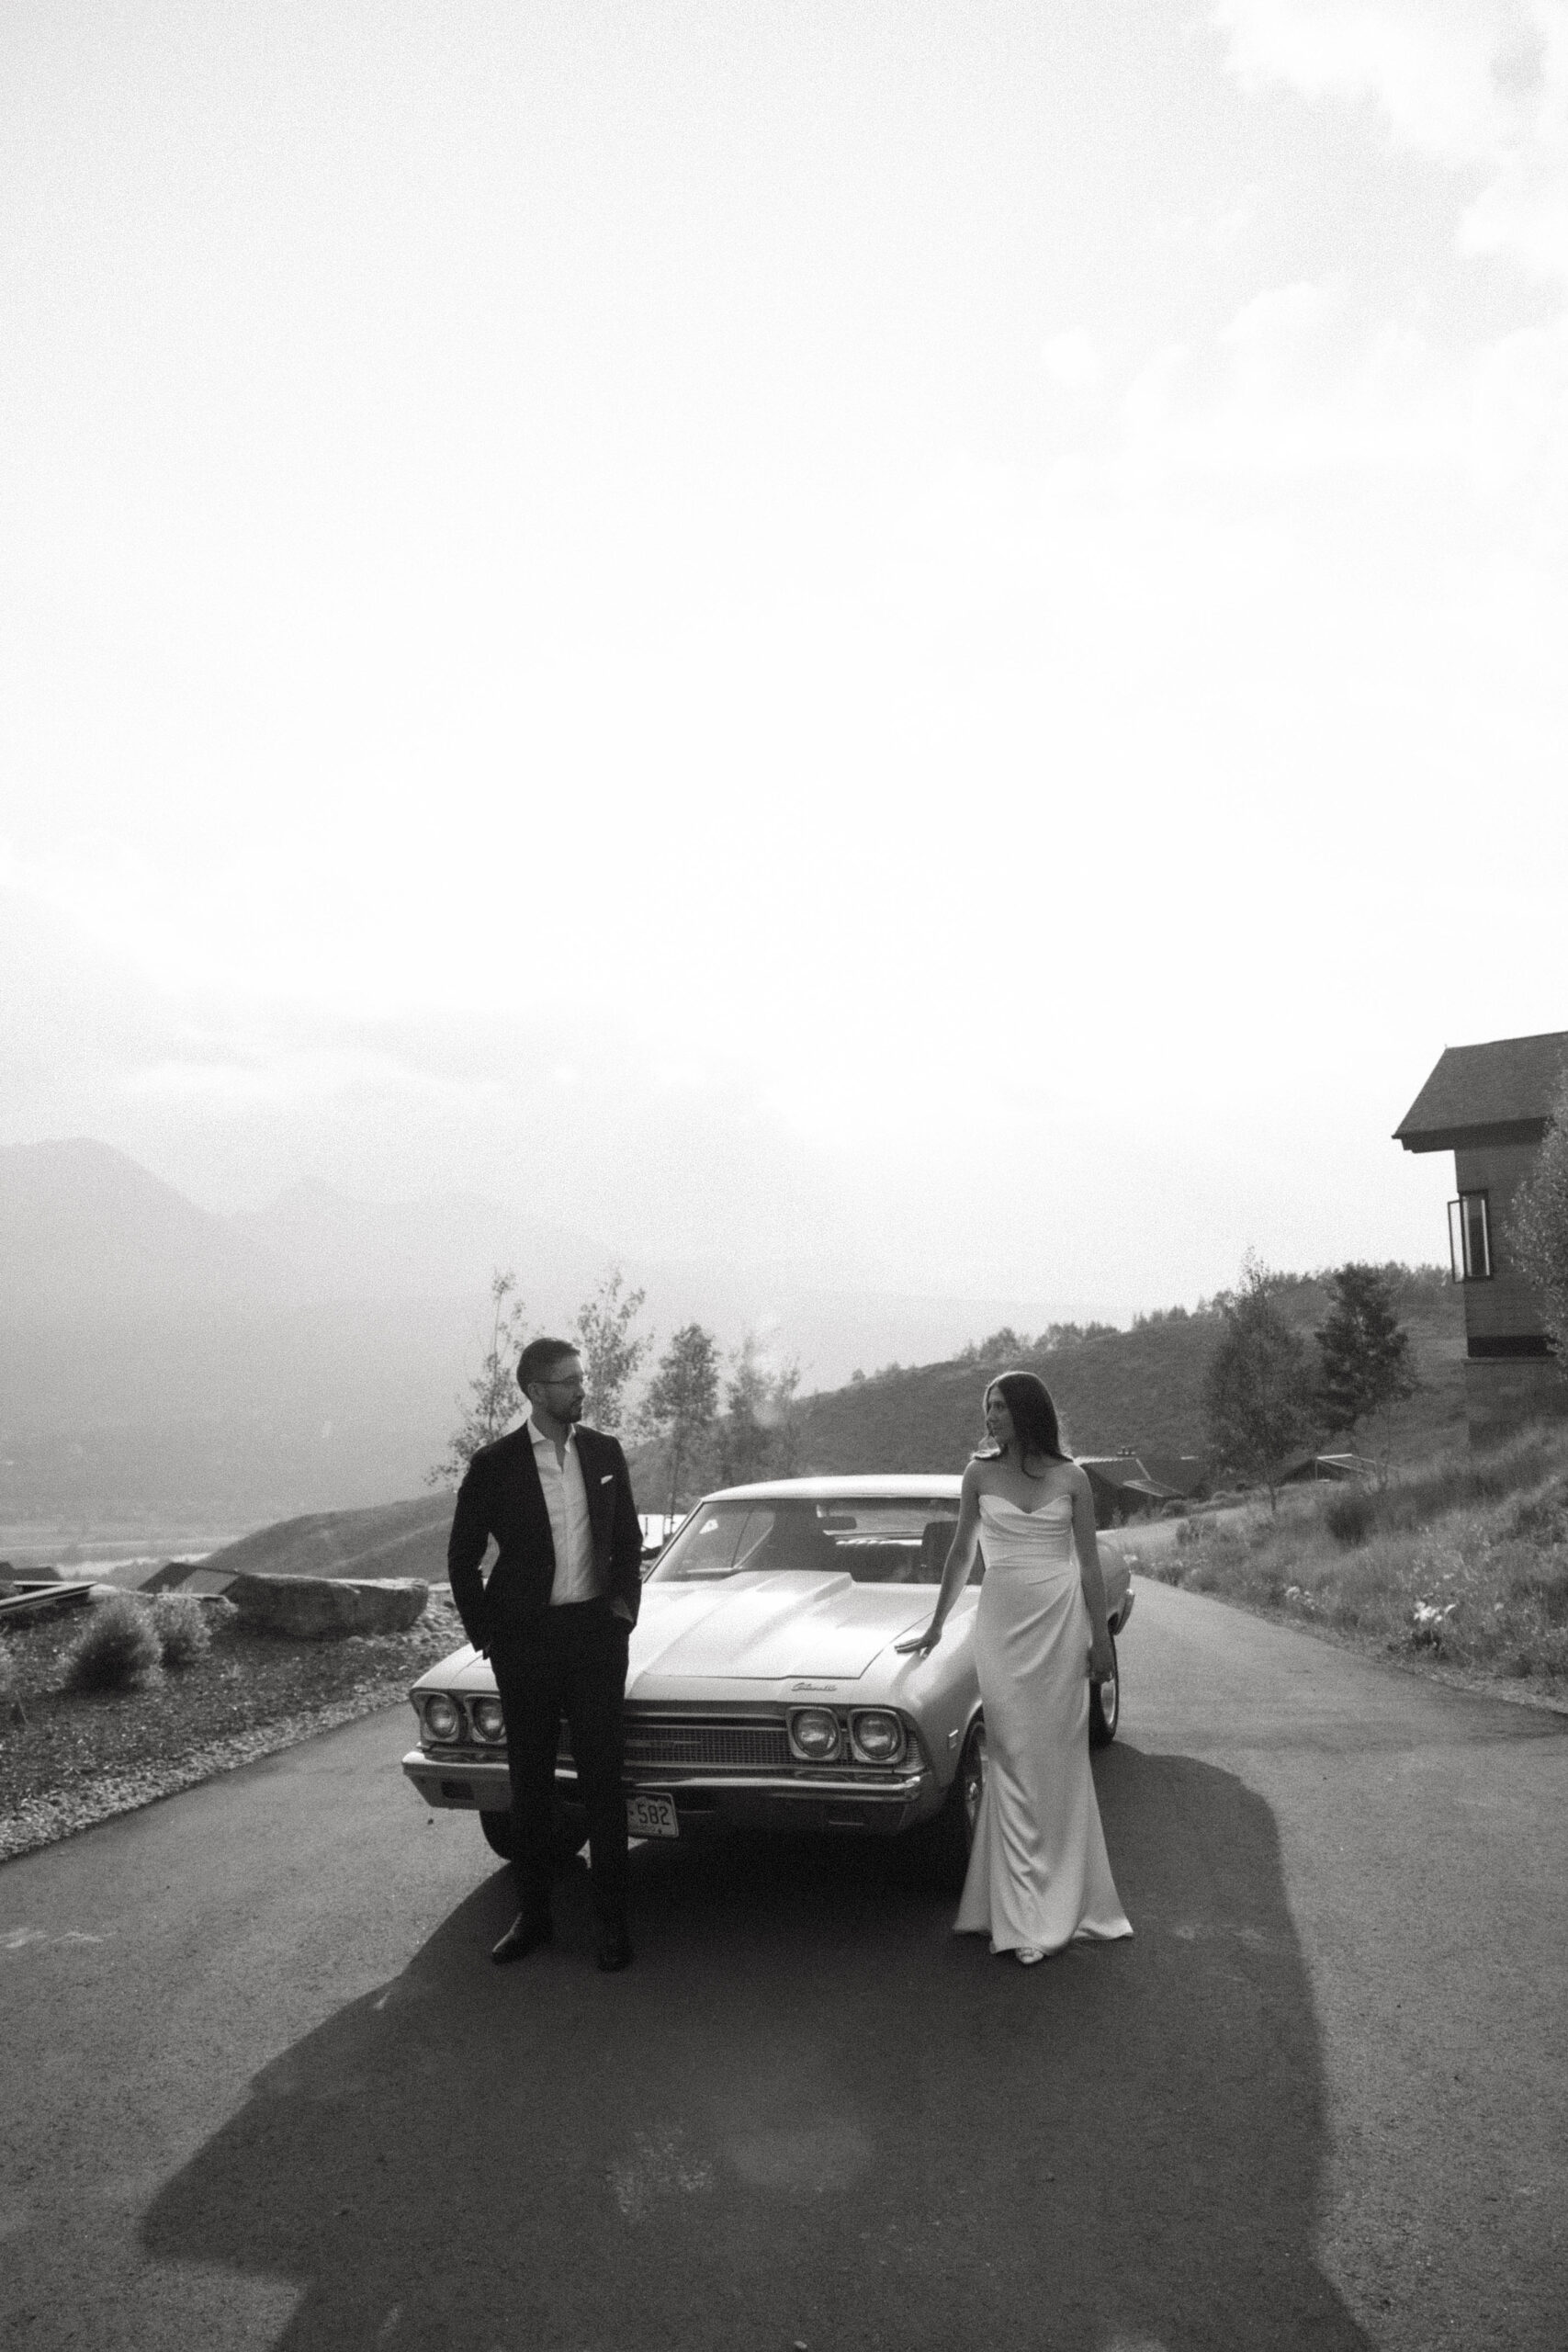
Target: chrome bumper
{"x":462,"y":1783}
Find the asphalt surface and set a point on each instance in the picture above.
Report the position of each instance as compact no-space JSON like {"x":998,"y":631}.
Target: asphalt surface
{"x":261,"y":2086}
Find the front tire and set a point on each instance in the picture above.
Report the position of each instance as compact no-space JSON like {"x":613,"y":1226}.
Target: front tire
{"x":1105,"y":1703}
{"x":952,"y":1835}
{"x":569,"y":1829}
{"x":497,"y":1828}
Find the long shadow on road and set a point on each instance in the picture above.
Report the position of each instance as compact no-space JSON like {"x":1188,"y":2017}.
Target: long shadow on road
{"x":810,"y":2113}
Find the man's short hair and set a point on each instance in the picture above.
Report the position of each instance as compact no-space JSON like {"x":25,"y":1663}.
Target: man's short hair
{"x":537,"y":1357}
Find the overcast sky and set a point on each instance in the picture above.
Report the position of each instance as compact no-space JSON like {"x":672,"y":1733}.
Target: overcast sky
{"x":922,"y":639}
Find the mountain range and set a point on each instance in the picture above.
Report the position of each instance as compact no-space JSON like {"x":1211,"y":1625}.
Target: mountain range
{"x":163,"y":1361}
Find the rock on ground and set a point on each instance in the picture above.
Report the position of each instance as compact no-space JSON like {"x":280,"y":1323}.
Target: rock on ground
{"x":317,"y":1608}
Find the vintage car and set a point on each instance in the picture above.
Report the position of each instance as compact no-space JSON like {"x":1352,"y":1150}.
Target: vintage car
{"x":764,"y":1687}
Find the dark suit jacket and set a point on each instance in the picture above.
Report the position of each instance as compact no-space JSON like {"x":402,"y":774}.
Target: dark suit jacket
{"x":501,"y":1496}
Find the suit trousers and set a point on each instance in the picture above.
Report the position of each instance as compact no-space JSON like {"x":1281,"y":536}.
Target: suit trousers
{"x":570,"y":1661}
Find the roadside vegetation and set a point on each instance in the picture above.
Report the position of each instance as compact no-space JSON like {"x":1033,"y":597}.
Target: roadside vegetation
{"x":153,"y":1695}
{"x":126,"y":1643}
{"x":1459,"y":1558}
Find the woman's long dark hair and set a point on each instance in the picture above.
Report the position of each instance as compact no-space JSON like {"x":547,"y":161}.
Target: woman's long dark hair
{"x":1034,"y":1421}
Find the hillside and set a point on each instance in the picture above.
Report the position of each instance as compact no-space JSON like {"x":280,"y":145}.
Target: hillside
{"x":1118,"y":1392}
{"x":393,"y":1540}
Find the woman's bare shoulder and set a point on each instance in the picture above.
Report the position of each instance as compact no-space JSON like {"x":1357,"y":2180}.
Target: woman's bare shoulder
{"x":1074,"y":1479}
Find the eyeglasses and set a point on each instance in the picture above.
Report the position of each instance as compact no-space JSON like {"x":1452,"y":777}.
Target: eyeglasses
{"x":573,"y":1380}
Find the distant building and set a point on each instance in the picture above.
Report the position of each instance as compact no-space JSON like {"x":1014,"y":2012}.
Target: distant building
{"x":1132,"y":1485}
{"x":1489,"y":1106}
{"x":1305,"y":1469}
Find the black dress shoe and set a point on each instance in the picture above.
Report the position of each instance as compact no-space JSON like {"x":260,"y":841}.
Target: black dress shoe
{"x":523,"y":1936}
{"x":615,"y":1950}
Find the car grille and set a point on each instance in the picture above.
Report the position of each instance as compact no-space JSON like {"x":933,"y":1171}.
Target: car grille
{"x":739,"y":1747}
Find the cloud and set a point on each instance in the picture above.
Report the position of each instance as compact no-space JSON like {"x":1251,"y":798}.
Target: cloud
{"x":1302,"y":384}
{"x":1479,"y":84}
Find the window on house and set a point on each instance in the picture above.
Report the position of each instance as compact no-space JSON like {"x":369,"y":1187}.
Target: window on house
{"x":1469,"y":1239}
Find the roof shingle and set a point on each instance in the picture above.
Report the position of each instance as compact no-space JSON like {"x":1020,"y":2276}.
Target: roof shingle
{"x":1499,"y":1092}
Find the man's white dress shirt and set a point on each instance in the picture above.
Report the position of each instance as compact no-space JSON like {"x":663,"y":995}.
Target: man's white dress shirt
{"x":566,"y":1500}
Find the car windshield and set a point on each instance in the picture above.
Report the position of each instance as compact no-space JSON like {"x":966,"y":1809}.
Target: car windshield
{"x":878,"y":1539}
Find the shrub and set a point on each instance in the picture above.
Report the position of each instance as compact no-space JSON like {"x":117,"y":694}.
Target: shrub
{"x":118,"y":1649}
{"x":1541,"y":1585}
{"x":10,"y":1706}
{"x":179,"y":1621}
{"x":1351,"y":1514}
{"x":1542,"y":1516}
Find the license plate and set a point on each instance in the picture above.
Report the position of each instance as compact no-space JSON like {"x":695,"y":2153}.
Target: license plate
{"x":651,"y":1816}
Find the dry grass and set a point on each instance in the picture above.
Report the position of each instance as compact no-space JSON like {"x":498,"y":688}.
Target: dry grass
{"x":1460,"y":1558}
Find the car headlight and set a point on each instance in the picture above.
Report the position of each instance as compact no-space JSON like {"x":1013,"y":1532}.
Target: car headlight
{"x":443,"y":1718}
{"x":490,"y":1724}
{"x":877,"y":1733}
{"x":814,"y":1734}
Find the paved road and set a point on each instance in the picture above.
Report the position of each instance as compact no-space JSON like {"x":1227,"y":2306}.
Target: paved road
{"x":262,"y":2087}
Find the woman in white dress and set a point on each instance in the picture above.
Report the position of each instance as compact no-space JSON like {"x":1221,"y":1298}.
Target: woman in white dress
{"x":1038,"y":1875}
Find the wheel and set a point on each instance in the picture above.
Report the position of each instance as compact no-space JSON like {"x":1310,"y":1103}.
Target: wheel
{"x":952,"y":1835}
{"x":570,"y":1830}
{"x":1105,"y":1705}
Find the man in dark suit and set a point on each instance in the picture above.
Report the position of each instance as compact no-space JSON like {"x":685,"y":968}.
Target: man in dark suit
{"x":555,"y":1615}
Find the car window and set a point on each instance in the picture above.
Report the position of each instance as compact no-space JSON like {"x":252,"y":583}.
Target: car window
{"x":875,"y":1539}
{"x":716,"y":1540}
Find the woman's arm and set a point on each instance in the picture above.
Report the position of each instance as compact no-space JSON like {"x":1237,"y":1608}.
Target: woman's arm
{"x":960,"y":1559}
{"x":1091,"y":1575}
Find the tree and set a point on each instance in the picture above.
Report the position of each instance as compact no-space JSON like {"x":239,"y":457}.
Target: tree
{"x":1258,"y":1386}
{"x":758,"y":1437}
{"x":1538,"y":1227}
{"x":683,"y":1398}
{"x":1363,"y":1353}
{"x":610,"y":1354}
{"x":493,"y":1392}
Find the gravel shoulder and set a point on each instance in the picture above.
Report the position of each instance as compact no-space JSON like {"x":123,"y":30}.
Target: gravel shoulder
{"x":68,"y":1759}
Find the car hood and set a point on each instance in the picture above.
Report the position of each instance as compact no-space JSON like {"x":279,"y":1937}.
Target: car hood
{"x":768,"y":1627}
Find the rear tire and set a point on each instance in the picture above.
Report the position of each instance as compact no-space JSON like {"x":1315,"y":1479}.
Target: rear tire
{"x":1105,"y":1705}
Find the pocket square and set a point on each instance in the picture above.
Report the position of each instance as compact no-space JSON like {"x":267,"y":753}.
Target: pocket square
{"x":609,"y":1479}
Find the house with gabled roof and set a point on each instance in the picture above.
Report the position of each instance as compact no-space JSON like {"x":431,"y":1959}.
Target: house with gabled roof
{"x":1123,"y":1488}
{"x":1489,"y":1105}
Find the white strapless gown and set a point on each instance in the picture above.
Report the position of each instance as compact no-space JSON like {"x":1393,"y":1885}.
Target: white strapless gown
{"x":1039,"y":1874}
